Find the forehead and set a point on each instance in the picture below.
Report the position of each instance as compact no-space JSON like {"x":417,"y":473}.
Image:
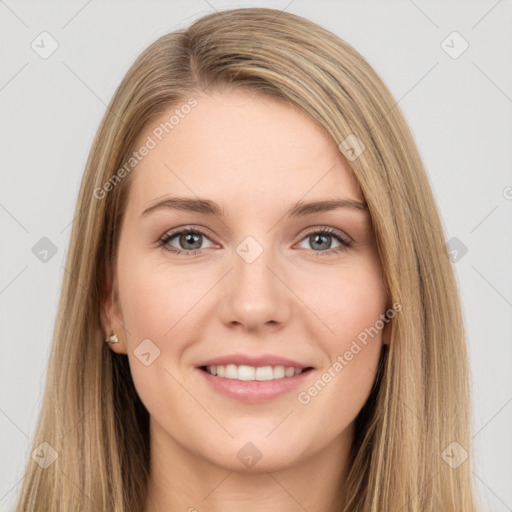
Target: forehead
{"x":239,"y":146}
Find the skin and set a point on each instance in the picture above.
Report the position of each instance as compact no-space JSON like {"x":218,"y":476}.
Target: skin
{"x":255,"y":156}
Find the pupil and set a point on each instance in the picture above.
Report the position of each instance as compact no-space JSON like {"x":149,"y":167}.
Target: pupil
{"x":315,"y":237}
{"x":194,"y":238}
{"x":191,"y":238}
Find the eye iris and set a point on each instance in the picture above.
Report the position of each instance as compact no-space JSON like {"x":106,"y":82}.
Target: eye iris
{"x":193,"y":238}
{"x":315,"y":245}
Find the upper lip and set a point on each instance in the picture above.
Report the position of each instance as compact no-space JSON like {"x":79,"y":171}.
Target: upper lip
{"x":256,"y":361}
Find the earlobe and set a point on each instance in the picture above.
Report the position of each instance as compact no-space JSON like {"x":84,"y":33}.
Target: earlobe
{"x":112,"y":339}
{"x":110,"y":313}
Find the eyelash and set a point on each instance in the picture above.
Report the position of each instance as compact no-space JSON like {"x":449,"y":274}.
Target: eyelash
{"x":345,"y":243}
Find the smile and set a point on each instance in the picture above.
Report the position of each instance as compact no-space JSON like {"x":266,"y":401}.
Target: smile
{"x":250,"y":373}
{"x":251,"y":384}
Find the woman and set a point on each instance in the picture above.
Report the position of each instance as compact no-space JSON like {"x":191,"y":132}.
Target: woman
{"x":254,"y":369}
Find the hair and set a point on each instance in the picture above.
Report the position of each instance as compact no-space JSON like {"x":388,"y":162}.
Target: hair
{"x":420,"y":403}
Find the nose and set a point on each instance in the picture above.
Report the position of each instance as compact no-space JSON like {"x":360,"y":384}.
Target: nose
{"x":255,"y":295}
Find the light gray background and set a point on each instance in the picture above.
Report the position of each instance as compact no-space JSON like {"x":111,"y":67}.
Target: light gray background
{"x":459,"y":111}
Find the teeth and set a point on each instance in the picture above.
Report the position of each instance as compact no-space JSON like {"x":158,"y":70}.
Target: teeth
{"x":243,"y":372}
{"x":230,"y":371}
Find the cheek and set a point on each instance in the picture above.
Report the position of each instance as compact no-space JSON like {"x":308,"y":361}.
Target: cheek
{"x":351,"y":304}
{"x":348,"y":301}
{"x":155,"y":297}
{"x":159,"y":304}
{"x":156,"y":308}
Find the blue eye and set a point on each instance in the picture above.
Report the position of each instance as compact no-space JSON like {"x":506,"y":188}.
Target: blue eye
{"x":191,"y":240}
{"x":323,"y":237}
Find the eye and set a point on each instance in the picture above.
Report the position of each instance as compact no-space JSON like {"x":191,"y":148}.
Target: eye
{"x":189,"y":241}
{"x":321,"y":241}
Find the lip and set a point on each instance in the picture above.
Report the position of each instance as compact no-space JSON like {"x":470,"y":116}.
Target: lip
{"x":256,"y":361}
{"x":254,"y":391}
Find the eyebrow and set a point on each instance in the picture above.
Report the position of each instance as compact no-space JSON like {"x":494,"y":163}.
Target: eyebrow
{"x":208,"y":207}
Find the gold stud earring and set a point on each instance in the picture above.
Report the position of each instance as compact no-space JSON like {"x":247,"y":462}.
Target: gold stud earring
{"x":112,"y":338}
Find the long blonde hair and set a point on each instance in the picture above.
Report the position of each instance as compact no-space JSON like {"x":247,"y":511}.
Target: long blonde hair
{"x":91,"y":414}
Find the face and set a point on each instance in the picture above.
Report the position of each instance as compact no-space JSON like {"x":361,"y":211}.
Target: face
{"x":246,"y":278}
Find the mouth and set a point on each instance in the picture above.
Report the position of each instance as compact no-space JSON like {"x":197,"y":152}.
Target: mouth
{"x":254,"y":384}
{"x":254,"y":378}
{"x":254,"y":373}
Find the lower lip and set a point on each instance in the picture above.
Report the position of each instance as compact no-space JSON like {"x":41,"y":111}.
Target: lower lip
{"x":254,"y":391}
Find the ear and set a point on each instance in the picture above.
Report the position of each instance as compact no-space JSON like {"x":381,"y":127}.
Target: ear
{"x":110,"y":313}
